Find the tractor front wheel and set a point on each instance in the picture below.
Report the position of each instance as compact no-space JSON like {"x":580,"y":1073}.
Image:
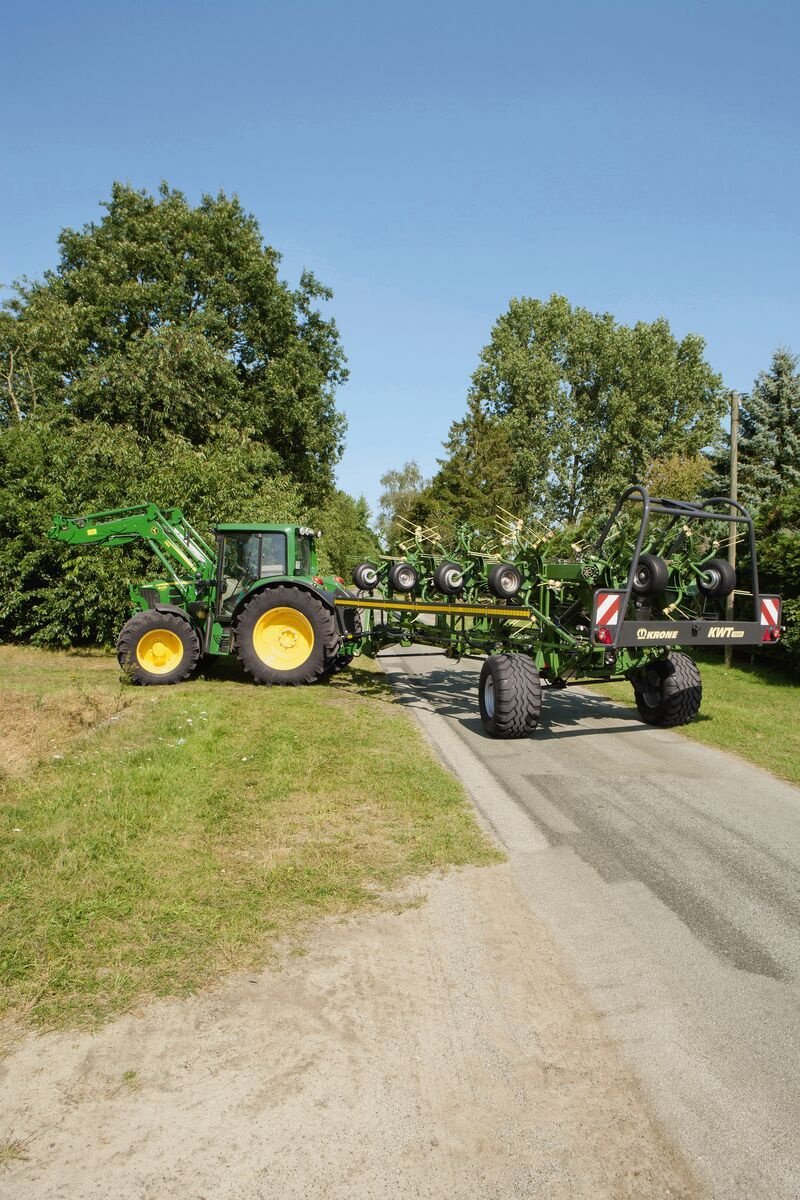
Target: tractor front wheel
{"x":286,"y":636}
{"x":668,"y":691}
{"x":510,"y":696}
{"x":158,"y":648}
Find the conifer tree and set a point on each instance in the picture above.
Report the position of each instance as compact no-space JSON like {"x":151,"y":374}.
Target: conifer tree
{"x":769,"y":446}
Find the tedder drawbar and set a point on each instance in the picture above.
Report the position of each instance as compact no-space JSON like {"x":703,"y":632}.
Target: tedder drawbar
{"x":626,"y":606}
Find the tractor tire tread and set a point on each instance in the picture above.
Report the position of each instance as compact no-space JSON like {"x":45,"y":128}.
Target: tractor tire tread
{"x":325,"y":633}
{"x":135,"y":629}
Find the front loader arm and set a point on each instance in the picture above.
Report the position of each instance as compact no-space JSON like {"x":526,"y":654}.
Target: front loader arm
{"x":168,"y":534}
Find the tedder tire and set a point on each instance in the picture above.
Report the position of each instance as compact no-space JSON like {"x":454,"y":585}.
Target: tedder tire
{"x":669,"y":691}
{"x":157,"y":648}
{"x":510,"y":696}
{"x":504,"y":580}
{"x":403,"y":577}
{"x":449,"y":578}
{"x":719,"y":578}
{"x":651,"y":575}
{"x":365,"y":576}
{"x":286,"y":636}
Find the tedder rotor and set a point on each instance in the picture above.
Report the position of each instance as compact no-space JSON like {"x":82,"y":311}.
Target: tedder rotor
{"x":654,"y":583}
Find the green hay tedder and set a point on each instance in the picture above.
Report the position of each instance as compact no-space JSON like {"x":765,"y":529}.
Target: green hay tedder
{"x":652,"y":584}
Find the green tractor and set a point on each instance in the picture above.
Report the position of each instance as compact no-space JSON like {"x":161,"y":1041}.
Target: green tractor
{"x":256,"y":593}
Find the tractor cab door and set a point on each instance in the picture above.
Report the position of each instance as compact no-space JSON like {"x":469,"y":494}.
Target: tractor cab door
{"x":244,"y":558}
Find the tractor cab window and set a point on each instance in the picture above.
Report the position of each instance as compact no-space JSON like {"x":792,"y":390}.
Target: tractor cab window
{"x":302,"y":564}
{"x":273,"y":554}
{"x":246,"y":558}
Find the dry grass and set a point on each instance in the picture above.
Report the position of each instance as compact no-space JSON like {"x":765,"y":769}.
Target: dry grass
{"x":147,"y":855}
{"x":13,"y":1150}
{"x":46,"y":701}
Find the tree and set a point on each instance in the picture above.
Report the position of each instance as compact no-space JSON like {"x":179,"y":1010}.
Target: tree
{"x":168,"y":318}
{"x":679,"y":477}
{"x":769,"y":444}
{"x":584,"y":404}
{"x":778,"y":529}
{"x":474,"y":479}
{"x":402,"y":493}
{"x":163,"y":359}
{"x":347,"y":535}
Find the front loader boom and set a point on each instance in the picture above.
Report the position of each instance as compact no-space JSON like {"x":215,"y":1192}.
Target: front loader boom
{"x":169,"y":535}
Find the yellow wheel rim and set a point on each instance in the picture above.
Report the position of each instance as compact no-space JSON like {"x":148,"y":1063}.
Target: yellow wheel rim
{"x":159,"y":651}
{"x":283,"y":638}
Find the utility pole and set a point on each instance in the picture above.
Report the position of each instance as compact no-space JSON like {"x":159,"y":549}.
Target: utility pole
{"x":734,"y":494}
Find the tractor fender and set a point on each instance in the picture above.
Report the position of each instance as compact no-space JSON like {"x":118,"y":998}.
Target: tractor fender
{"x":173,"y":608}
{"x":321,"y":594}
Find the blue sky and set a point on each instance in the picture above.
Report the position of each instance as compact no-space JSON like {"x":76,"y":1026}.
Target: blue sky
{"x":429,"y":161}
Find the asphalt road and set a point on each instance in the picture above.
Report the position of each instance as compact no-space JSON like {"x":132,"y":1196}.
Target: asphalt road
{"x":669,"y":875}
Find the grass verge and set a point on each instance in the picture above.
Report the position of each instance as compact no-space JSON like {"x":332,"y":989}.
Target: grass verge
{"x":192,"y":827}
{"x":753,"y":711}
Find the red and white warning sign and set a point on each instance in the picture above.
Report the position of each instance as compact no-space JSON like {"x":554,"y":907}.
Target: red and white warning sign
{"x":770,"y":610}
{"x":607,"y":607}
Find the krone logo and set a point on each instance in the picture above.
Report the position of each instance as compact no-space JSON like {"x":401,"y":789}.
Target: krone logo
{"x":656,"y":635}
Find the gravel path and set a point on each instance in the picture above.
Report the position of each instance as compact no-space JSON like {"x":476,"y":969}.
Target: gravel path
{"x":441,"y":1051}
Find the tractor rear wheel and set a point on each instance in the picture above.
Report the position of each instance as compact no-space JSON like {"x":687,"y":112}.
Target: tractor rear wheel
{"x":669,"y":691}
{"x":158,"y":648}
{"x":510,"y":696}
{"x":286,"y":636}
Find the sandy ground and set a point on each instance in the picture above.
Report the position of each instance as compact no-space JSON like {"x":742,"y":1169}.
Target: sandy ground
{"x":437,"y":1052}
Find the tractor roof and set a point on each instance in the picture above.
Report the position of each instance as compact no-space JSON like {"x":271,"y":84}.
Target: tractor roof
{"x":253,"y":528}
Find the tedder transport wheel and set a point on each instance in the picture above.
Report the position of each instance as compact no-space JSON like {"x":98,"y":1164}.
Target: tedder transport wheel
{"x":286,"y":635}
{"x":510,"y":696}
{"x":156,"y":648}
{"x":669,"y":691}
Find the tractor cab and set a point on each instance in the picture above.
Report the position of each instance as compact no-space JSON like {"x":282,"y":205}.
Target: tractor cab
{"x":249,"y":554}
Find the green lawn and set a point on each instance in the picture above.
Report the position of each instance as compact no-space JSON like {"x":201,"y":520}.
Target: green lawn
{"x":751,"y":711}
{"x":154,"y":838}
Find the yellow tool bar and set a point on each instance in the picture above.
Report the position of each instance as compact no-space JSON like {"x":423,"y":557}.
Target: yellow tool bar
{"x":457,"y":610}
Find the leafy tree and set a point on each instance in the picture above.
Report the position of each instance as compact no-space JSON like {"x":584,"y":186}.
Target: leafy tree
{"x":769,"y":445}
{"x":584,"y":404}
{"x":779,"y":562}
{"x":403,"y":496}
{"x":167,"y":318}
{"x":163,"y":359}
{"x":347,"y":535}
{"x":679,"y":477}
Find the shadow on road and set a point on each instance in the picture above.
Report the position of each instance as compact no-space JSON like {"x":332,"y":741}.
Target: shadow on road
{"x":565,"y":713}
